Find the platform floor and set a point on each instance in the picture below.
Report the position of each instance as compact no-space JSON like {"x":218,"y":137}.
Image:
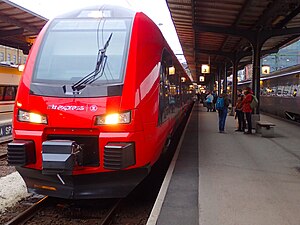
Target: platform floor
{"x":233,"y":178}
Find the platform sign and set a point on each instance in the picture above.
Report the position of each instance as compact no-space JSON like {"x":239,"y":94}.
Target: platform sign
{"x":5,"y":130}
{"x":265,"y":69}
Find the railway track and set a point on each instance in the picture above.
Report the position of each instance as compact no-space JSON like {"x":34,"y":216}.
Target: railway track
{"x":26,"y":215}
{"x":111,"y":213}
{"x":29,"y":214}
{"x":3,"y":150}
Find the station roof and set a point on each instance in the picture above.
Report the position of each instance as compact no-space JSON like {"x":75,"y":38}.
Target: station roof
{"x":217,"y":30}
{"x":18,"y":26}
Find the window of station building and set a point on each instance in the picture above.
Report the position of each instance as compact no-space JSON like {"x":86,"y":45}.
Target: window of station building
{"x":1,"y":56}
{"x":287,"y":90}
{"x":8,"y":57}
{"x":14,"y":59}
{"x":20,"y":60}
{"x":25,"y":58}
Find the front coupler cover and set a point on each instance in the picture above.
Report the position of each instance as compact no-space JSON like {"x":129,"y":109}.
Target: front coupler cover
{"x":58,"y":156}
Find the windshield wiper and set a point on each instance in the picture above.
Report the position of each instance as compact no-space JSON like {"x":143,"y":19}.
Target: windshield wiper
{"x":97,"y":73}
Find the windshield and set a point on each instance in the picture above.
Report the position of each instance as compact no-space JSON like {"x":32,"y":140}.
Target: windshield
{"x":70,"y":49}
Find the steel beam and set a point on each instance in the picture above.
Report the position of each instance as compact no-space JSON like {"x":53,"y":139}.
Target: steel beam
{"x":9,"y":33}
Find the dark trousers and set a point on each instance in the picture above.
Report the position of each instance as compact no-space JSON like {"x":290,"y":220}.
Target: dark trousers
{"x":209,"y":106}
{"x":249,"y":121}
{"x":222,"y":118}
{"x":241,"y":120}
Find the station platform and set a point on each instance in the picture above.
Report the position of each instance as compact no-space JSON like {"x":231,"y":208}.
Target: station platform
{"x":231,"y":178}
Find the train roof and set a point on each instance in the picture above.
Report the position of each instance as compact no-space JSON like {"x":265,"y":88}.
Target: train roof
{"x":101,"y":11}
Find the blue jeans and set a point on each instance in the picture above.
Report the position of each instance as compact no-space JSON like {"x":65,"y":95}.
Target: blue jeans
{"x":222,"y":118}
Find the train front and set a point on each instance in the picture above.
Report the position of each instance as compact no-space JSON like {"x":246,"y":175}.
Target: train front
{"x":73,"y":137}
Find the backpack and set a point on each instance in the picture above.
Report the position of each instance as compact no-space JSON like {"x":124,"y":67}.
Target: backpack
{"x":254,"y":102}
{"x":220,"y":103}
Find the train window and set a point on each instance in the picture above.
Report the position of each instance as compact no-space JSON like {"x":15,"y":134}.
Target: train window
{"x":287,"y":90}
{"x":272,"y":91}
{"x":279,"y":90}
{"x":294,"y":92}
{"x":168,"y":100}
{"x":265,"y":91}
{"x":1,"y":93}
{"x":71,"y":46}
{"x":163,"y":94}
{"x":10,"y":93}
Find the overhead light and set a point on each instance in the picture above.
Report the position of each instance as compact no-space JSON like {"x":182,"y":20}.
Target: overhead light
{"x":171,"y":70}
{"x":201,"y":78}
{"x":205,"y":68}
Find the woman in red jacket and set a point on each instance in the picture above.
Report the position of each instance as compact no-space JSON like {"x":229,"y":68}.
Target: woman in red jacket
{"x":247,"y":108}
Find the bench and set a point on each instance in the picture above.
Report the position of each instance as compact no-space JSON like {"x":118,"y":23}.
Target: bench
{"x":265,"y":128}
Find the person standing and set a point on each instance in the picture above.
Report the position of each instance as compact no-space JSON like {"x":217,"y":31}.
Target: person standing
{"x":239,"y":111}
{"x":209,"y":102}
{"x":247,"y":108}
{"x":222,"y":107}
{"x":214,"y":94}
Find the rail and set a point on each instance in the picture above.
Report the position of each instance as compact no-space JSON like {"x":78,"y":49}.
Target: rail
{"x":26,"y":215}
{"x":111,"y":213}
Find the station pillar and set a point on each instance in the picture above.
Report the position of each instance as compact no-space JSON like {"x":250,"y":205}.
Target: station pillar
{"x":219,"y":79}
{"x":225,"y":78}
{"x":234,"y":85}
{"x":256,"y":53}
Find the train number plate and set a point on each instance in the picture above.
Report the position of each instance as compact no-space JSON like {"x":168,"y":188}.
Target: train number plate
{"x":5,"y":130}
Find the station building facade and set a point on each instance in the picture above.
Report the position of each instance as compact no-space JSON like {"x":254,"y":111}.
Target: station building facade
{"x":15,"y":56}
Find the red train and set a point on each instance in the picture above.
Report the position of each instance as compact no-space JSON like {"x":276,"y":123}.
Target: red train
{"x":100,"y":96}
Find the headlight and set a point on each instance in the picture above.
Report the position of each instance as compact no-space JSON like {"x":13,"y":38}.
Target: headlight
{"x":114,"y":118}
{"x":31,"y":117}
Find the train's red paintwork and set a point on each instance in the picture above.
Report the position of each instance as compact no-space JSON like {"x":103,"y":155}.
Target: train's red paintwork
{"x":152,"y":100}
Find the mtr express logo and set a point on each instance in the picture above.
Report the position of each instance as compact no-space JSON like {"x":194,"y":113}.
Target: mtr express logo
{"x":80,"y":108}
